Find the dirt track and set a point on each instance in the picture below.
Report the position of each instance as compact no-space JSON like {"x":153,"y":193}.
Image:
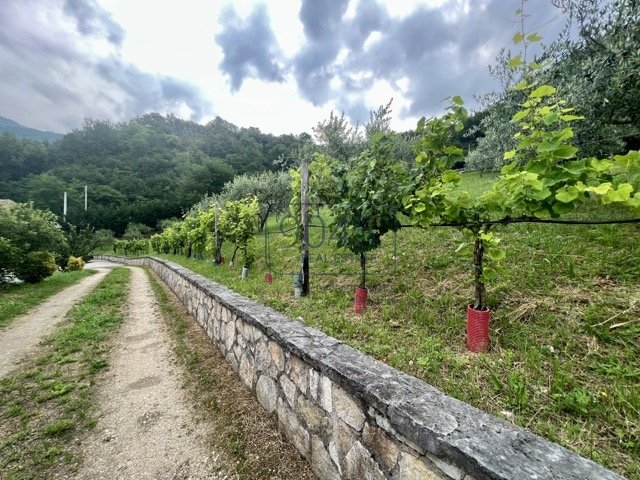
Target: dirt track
{"x":25,"y":332}
{"x":145,"y":429}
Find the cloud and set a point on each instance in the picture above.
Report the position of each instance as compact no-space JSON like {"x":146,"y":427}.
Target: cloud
{"x":92,"y":19}
{"x":50,"y":66}
{"x":249,"y":46}
{"x":322,"y":18}
{"x":441,"y":51}
{"x":148,"y":93}
{"x":369,"y":17}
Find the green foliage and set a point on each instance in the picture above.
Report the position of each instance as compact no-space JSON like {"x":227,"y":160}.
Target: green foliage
{"x":272,"y":189}
{"x":36,"y":266}
{"x":136,"y":231}
{"x":543,"y":179}
{"x":337,"y":138}
{"x":371,"y":200}
{"x":239,"y":223}
{"x":103,"y":238}
{"x":326,"y":182}
{"x":596,"y":69}
{"x":131,"y":247}
{"x":75,"y":263}
{"x":143,"y":170}
{"x":30,"y":242}
{"x":82,"y":241}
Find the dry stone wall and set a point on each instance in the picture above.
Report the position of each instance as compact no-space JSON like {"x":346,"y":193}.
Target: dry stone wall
{"x":352,"y":416}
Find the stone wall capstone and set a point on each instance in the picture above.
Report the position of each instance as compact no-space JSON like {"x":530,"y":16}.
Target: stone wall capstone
{"x":352,"y":416}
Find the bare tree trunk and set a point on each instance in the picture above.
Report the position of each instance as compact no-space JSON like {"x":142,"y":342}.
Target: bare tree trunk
{"x":363,"y":270}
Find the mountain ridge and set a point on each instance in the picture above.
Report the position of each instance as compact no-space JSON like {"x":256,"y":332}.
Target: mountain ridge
{"x":21,"y":131}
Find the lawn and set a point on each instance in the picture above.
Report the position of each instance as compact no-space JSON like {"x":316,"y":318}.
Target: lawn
{"x":564,"y":359}
{"x":18,"y":299}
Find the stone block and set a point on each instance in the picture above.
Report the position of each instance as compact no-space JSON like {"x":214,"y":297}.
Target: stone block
{"x":314,"y":383}
{"x":342,"y":439}
{"x":384,"y":448}
{"x":293,"y":430}
{"x":321,"y":461}
{"x":263,"y":358}
{"x":277,"y":356}
{"x":247,"y":332}
{"x":325,"y":398}
{"x":289,"y":389}
{"x":232,"y":360}
{"x":240,"y":339}
{"x":348,"y":408}
{"x":412,"y":468}
{"x":247,"y":370}
{"x":267,"y":393}
{"x":229,"y":335}
{"x":314,"y":417}
{"x":333,"y":453}
{"x":360,"y":465}
{"x":298,"y":371}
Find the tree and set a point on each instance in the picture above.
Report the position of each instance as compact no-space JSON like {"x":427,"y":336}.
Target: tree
{"x":238,"y":224}
{"x":371,"y":200}
{"x":337,"y":138}
{"x":204,"y":176}
{"x":597,"y":70}
{"x":271,"y":189}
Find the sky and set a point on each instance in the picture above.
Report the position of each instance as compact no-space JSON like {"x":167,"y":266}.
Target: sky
{"x":279,"y":65}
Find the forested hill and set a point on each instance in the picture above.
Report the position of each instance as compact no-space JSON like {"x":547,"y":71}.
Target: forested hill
{"x":142,"y":170}
{"x":20,"y":131}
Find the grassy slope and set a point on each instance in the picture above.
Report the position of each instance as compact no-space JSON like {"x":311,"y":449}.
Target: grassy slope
{"x":565,"y":329}
{"x":18,"y":299}
{"x":45,"y":404}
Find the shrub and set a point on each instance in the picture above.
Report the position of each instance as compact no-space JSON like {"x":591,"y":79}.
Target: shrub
{"x":75,"y":263}
{"x":36,"y":266}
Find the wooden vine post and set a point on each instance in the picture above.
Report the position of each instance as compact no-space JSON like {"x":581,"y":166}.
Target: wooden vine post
{"x":218,"y":239}
{"x":304,"y":212}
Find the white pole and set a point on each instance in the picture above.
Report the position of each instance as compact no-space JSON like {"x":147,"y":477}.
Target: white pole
{"x":64,"y":208}
{"x":85,"y":198}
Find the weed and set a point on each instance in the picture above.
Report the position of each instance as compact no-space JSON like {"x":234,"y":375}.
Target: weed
{"x":57,"y":427}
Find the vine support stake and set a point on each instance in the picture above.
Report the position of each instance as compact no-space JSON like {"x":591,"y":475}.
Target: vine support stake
{"x":304,"y":212}
{"x":218,"y":239}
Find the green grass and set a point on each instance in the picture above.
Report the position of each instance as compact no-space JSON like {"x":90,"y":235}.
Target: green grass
{"x":16,"y":300}
{"x":45,"y":406}
{"x":565,"y":353}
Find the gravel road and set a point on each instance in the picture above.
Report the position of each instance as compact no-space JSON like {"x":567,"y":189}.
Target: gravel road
{"x":26,"y":331}
{"x":145,"y":429}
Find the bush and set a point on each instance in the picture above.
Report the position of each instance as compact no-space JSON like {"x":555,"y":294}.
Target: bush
{"x":29,"y":239}
{"x":36,"y":266}
{"x":75,"y":263}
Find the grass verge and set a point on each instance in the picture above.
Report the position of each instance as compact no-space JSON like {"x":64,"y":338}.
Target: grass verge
{"x":18,"y":299}
{"x":249,"y":438}
{"x":45,"y":404}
